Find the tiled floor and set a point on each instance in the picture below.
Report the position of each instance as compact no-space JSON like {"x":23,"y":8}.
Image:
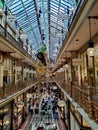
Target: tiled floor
{"x":37,"y":120}
{"x":44,"y":120}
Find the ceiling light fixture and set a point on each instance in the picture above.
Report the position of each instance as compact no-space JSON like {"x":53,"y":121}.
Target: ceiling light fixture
{"x":91,"y":50}
{"x":66,"y":64}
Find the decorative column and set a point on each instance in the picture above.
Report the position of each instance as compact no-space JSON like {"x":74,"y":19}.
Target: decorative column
{"x":93,"y":69}
{"x":12,"y":115}
{"x":72,"y":71}
{"x":6,"y":11}
{"x":1,"y":75}
{"x":89,"y":102}
{"x":24,"y":98}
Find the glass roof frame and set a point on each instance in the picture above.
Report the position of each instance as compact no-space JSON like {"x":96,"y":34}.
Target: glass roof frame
{"x":42,"y":16}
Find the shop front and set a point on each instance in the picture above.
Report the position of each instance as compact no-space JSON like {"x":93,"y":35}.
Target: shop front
{"x":6,"y":113}
{"x":18,"y":112}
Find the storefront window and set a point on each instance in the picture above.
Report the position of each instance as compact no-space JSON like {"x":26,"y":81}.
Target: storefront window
{"x":7,"y":73}
{"x":1,"y":124}
{"x":18,"y":112}
{"x":84,"y":70}
{"x":75,"y":76}
{"x":5,"y":117}
{"x":7,"y":122}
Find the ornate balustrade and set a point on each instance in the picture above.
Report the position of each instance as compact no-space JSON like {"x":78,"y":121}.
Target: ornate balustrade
{"x":9,"y":89}
{"x":86,"y":98}
{"x":82,"y":98}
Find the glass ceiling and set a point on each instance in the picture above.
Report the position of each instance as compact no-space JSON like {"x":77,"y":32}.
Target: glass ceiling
{"x":43,"y":21}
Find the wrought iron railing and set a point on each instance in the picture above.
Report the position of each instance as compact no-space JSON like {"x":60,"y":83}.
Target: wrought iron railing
{"x":18,"y":44}
{"x":10,"y":89}
{"x":86,"y":98}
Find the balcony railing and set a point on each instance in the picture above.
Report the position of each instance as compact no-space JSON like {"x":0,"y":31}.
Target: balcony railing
{"x":18,"y":45}
{"x":86,"y":98}
{"x":9,"y":89}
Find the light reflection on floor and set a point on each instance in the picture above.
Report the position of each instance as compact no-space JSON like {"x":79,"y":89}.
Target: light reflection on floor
{"x":45,"y":119}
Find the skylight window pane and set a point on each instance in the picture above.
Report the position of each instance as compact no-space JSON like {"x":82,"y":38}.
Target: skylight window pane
{"x":55,"y":7}
{"x":48,"y":21}
{"x":61,"y":10}
{"x":52,"y":19}
{"x":53,"y":24}
{"x":17,"y":7}
{"x":16,"y":3}
{"x":34,"y":24}
{"x":33,"y":20}
{"x":30,"y":9}
{"x":27,"y":27}
{"x":23,"y":19}
{"x":60,"y":23}
{"x":19,"y":17}
{"x":54,"y":11}
{"x":22,"y":22}
{"x":26,"y":24}
{"x":29,"y":5}
{"x":19,"y":12}
{"x":55,"y":2}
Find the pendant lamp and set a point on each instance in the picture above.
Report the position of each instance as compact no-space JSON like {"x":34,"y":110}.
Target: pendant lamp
{"x":90,"y":50}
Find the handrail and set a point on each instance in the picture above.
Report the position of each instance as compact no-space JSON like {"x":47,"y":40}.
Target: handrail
{"x":17,"y":44}
{"x":9,"y":89}
{"x":87,"y":99}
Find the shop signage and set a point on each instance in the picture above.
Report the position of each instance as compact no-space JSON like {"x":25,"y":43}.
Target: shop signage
{"x":18,"y":68}
{"x":77,"y":61}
